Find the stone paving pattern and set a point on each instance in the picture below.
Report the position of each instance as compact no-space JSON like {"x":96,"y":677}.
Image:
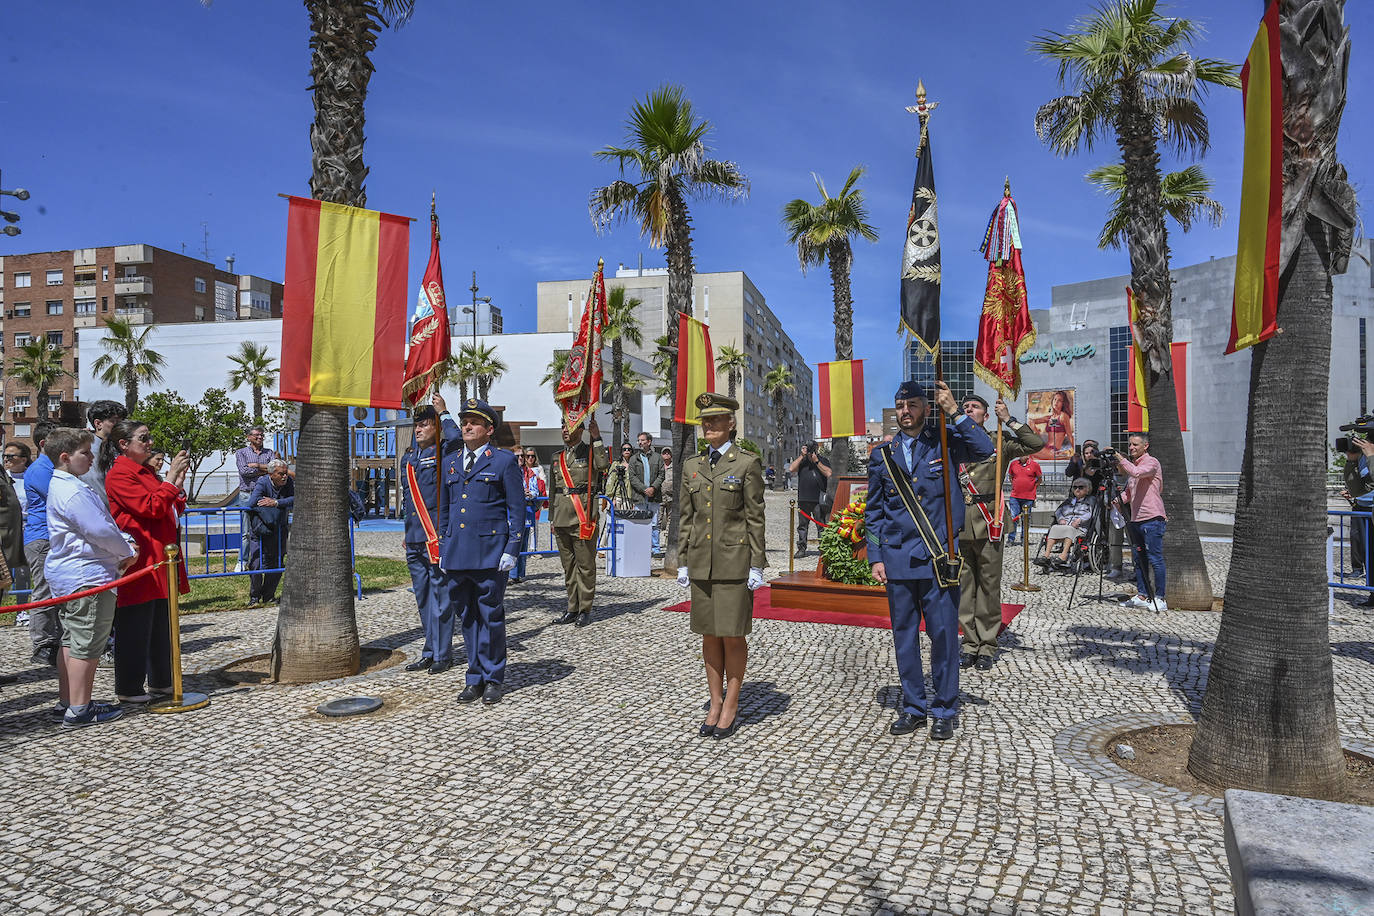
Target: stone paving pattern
{"x":588,"y":791}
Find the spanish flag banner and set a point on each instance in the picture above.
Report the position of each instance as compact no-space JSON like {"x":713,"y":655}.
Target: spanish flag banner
{"x":1254,"y":311}
{"x":1138,"y":395}
{"x":696,"y":367}
{"x":344,"y":310}
{"x":841,"y":389}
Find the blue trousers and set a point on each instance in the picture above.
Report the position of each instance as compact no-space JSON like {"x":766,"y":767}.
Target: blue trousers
{"x":429,"y":593}
{"x":908,"y":600}
{"x":1148,"y":540}
{"x":1017,"y":510}
{"x":531,"y":525}
{"x":477,"y":597}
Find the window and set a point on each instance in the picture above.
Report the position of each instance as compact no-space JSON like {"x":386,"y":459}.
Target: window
{"x":84,"y":307}
{"x":130,"y":271}
{"x":23,"y":339}
{"x":54,"y":338}
{"x":22,"y":430}
{"x":1119,"y":380}
{"x":85,"y":276}
{"x":22,"y":401}
{"x":104,"y":303}
{"x":54,"y":306}
{"x":21,"y":310}
{"x":200,"y":285}
{"x":55,"y":278}
{"x":22,"y":279}
{"x":105,"y":273}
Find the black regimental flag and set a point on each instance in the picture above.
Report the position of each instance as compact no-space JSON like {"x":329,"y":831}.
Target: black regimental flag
{"x":921,"y":254}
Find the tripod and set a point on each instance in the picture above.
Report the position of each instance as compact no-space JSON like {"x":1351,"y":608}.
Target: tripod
{"x":1109,"y":493}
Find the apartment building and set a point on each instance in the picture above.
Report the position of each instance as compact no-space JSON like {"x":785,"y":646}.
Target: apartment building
{"x":738,"y":315}
{"x":54,"y":295}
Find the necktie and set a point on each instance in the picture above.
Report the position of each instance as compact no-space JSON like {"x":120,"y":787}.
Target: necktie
{"x":715,"y":456}
{"x":467,"y":464}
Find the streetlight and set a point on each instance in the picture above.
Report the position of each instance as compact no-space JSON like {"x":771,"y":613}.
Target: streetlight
{"x":11,"y":217}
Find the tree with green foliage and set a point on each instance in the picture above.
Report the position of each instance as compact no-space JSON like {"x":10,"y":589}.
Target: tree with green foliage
{"x":254,"y":368}
{"x":209,"y":429}
{"x":777,"y":384}
{"x":733,"y":362}
{"x":622,"y":326}
{"x":39,"y":365}
{"x":128,"y":361}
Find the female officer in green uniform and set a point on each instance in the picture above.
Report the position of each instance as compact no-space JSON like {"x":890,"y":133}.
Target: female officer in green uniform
{"x":720,"y":536}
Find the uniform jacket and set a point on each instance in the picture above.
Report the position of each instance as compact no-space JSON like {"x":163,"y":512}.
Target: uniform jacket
{"x":484,"y":509}
{"x":562,"y":512}
{"x":146,"y":508}
{"x":892,"y":536}
{"x":1017,"y":439}
{"x":426,"y":475}
{"x":11,"y":524}
{"x":721,"y":526}
{"x":636,"y":475}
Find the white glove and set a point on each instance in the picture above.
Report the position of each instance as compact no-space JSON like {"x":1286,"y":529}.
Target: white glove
{"x":507,"y":563}
{"x":682,"y":577}
{"x":755,"y":578}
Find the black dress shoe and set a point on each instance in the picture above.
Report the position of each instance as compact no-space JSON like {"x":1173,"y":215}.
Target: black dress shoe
{"x":726,"y":732}
{"x":470,"y":693}
{"x":420,"y":665}
{"x":440,"y":667}
{"x":584,"y":618}
{"x":907,"y":723}
{"x":568,"y":617}
{"x":985,"y":662}
{"x":801,"y":552}
{"x":707,"y":729}
{"x":942,"y":730}
{"x":967,"y":659}
{"x":492,"y":693}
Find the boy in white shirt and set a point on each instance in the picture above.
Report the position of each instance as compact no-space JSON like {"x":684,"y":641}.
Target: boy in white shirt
{"x":86,"y":549}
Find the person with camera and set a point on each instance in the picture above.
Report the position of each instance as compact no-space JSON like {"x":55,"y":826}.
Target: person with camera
{"x":1098,"y":466}
{"x":1145,"y":497}
{"x":1359,"y":490}
{"x":813,"y":479}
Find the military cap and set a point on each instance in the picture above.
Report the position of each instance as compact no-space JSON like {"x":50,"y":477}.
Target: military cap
{"x":713,"y":404}
{"x":976,"y":397}
{"x":908,"y":390}
{"x":425,"y":413}
{"x":476,"y":407}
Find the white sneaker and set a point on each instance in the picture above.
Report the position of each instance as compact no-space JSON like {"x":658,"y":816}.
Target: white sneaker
{"x":239,"y":567}
{"x":1160,"y":606}
{"x":1139,"y":603}
{"x":21,"y":619}
{"x":137,"y":698}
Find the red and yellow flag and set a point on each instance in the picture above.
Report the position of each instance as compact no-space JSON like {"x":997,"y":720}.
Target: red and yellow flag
{"x":1137,"y":393}
{"x":696,"y":367}
{"x":1254,"y":310}
{"x":841,"y":387}
{"x":344,"y":309}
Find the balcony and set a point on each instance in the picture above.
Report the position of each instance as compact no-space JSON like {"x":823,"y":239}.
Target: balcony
{"x":86,"y":321}
{"x":133,"y":286}
{"x":133,"y":254}
{"x":253,"y":312}
{"x":83,"y":257}
{"x":84,"y":290}
{"x":135,"y":316}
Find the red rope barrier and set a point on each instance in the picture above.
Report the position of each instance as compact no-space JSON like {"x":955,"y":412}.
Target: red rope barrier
{"x":49,"y":602}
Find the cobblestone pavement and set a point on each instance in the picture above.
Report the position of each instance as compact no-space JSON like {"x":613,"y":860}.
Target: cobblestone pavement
{"x":588,"y":791}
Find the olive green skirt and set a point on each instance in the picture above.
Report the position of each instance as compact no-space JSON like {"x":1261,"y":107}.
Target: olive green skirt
{"x":722,"y":608}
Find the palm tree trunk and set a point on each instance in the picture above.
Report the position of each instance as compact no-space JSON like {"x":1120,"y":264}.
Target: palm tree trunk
{"x":619,"y":415}
{"x":257,"y":403}
{"x":680,"y":270}
{"x":43,"y":403}
{"x":841,"y":258}
{"x":1147,"y":241}
{"x":734,"y":383}
{"x":317,"y":632}
{"x":1269,"y":716}
{"x":130,"y":386}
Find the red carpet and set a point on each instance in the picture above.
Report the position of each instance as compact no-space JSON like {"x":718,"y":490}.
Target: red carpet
{"x":764,"y":610}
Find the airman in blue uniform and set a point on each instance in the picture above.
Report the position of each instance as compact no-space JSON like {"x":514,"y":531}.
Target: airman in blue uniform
{"x":483,"y":528}
{"x":422,"y":528}
{"x":903,"y":557}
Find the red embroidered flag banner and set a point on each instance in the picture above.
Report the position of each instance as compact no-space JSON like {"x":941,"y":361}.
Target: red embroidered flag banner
{"x":1005,"y":330}
{"x":430,"y":345}
{"x":578,"y":390}
{"x":344,"y":307}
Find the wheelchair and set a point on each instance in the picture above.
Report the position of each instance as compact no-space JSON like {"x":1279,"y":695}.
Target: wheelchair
{"x":1091,"y":550}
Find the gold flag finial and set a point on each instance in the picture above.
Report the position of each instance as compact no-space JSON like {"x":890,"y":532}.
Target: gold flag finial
{"x":920,"y":92}
{"x":1006,"y":187}
{"x":922,"y":108}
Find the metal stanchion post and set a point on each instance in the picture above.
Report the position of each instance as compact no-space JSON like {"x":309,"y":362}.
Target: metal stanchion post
{"x":791,"y":541}
{"x":178,"y":701}
{"x":1025,"y":584}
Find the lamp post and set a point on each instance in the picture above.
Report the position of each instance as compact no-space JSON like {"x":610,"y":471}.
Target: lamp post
{"x":9,"y":216}
{"x":472,"y":310}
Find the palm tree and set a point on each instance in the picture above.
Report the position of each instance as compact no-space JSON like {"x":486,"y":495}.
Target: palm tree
{"x":484,"y":366}
{"x":664,"y":363}
{"x":39,"y":366}
{"x":777,"y":384}
{"x":1269,"y":716}
{"x":459,"y":372}
{"x":317,"y":632}
{"x":128,"y":360}
{"x":734,"y":362}
{"x":1183,"y":195}
{"x":666,"y":157}
{"x":1133,"y":79}
{"x":554,"y":371}
{"x":622,"y":325}
{"x":824,"y":233}
{"x":254,"y":369}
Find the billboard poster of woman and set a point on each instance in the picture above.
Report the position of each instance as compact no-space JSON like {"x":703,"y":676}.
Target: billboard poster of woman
{"x":1050,"y":413}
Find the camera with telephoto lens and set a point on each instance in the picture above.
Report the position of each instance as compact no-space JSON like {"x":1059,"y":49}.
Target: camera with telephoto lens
{"x":1361,"y":428}
{"x":1104,"y":460}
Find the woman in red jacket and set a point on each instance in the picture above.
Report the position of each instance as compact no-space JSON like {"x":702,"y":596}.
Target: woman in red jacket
{"x":146,"y":508}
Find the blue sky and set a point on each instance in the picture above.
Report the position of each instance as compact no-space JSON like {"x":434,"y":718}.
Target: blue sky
{"x":138,"y":123}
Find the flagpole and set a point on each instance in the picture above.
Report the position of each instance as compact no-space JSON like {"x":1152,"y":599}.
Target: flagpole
{"x":944,"y":458}
{"x":438,"y":421}
{"x":1000,"y":471}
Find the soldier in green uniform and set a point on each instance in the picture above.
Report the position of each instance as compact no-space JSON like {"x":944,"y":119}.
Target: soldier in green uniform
{"x":980,"y":579}
{"x":720,"y":541}
{"x":573,"y":514}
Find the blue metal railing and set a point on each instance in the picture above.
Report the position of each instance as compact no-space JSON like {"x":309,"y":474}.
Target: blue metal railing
{"x":607,"y":540}
{"x":221,"y":539}
{"x":1361,"y":581}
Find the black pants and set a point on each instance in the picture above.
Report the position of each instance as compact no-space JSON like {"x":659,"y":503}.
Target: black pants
{"x":266,"y":552}
{"x":143,"y":649}
{"x":804,"y":525}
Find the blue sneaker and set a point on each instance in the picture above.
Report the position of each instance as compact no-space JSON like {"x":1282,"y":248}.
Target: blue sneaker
{"x":95,"y":714}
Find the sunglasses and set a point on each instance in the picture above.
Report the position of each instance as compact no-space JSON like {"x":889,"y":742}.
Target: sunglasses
{"x":143,"y":438}
{"x":12,"y":456}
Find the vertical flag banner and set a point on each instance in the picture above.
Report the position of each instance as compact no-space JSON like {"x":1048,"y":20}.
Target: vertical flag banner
{"x":696,"y":367}
{"x":921,"y":252}
{"x":1005,"y":330}
{"x":1254,"y":310}
{"x":1137,"y":397}
{"x":841,"y":387}
{"x":344,"y":308}
{"x":578,"y":390}
{"x":430,"y":346}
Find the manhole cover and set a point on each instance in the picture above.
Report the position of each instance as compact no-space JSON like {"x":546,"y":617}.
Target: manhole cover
{"x":350,"y":706}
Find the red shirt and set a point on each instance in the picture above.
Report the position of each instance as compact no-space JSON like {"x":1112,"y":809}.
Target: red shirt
{"x":1025,"y":478}
{"x":146,"y":508}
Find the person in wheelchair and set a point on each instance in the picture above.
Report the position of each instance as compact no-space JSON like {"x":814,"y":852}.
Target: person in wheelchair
{"x":1072,"y":520}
